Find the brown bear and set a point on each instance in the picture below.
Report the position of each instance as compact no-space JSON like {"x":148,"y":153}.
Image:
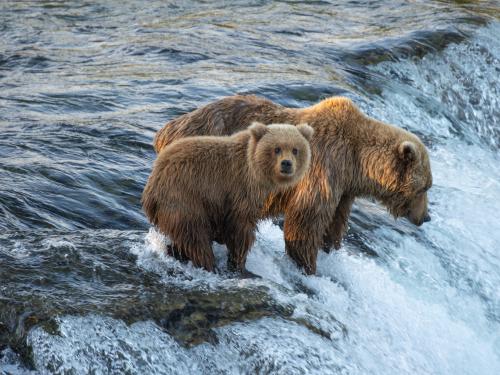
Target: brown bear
{"x":205,"y":189}
{"x":352,"y":156}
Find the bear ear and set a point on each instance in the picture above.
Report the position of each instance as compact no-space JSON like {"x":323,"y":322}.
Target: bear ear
{"x":407,"y":151}
{"x":306,"y":131}
{"x":258,"y":129}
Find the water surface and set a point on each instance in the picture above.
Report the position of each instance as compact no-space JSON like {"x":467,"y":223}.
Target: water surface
{"x":84,"y":284}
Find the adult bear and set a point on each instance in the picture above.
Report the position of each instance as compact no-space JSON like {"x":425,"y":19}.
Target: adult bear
{"x":352,"y":156}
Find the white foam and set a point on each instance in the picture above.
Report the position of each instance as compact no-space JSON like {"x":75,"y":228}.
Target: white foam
{"x":10,"y":364}
{"x":456,"y":90}
{"x":102,"y":345}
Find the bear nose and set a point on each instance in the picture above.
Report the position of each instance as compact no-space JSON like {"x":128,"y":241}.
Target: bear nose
{"x":286,"y":166}
{"x":427,"y":218}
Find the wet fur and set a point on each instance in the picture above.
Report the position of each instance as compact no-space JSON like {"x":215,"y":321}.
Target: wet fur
{"x":352,"y":156}
{"x":205,"y":189}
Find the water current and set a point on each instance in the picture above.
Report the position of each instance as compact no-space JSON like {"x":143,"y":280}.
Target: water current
{"x":84,"y":284}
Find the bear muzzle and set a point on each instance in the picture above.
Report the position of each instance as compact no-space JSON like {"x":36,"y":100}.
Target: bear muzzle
{"x":286,"y":167}
{"x":419,"y":221}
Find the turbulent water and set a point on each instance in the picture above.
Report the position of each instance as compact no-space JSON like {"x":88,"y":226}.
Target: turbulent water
{"x":84,"y":284}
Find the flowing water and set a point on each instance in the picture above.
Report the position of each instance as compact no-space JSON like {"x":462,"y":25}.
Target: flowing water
{"x":84,"y":284}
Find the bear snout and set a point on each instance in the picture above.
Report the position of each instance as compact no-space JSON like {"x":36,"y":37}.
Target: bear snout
{"x":419,"y":221}
{"x":286,"y":166}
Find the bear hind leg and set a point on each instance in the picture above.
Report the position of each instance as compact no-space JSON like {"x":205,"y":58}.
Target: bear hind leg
{"x":198,"y":251}
{"x":238,"y":245}
{"x":191,"y":242}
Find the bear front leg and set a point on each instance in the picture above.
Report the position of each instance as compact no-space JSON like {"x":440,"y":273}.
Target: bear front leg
{"x":238,"y":245}
{"x":337,"y":228}
{"x":302,"y":242}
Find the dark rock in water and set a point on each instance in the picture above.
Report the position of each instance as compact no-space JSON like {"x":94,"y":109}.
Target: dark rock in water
{"x":191,"y":320}
{"x":70,"y":275}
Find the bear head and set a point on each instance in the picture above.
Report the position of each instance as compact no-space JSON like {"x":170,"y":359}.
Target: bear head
{"x":280,"y":154}
{"x":407,"y":192}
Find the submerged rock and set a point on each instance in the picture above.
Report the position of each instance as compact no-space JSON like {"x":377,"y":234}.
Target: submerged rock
{"x":70,"y":275}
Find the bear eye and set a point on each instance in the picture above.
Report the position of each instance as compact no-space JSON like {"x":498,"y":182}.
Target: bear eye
{"x":295,"y":151}
{"x":277,"y":150}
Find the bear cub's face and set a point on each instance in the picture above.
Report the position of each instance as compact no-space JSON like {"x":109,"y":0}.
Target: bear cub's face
{"x":282,"y":153}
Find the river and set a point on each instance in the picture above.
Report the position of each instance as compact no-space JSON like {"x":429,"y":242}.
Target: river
{"x":84,"y":284}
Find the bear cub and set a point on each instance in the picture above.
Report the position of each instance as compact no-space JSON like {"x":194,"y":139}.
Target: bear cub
{"x":209,"y":188}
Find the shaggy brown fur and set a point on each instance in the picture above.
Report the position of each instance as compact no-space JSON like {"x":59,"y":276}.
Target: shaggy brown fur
{"x":352,"y":156}
{"x":205,"y":189}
